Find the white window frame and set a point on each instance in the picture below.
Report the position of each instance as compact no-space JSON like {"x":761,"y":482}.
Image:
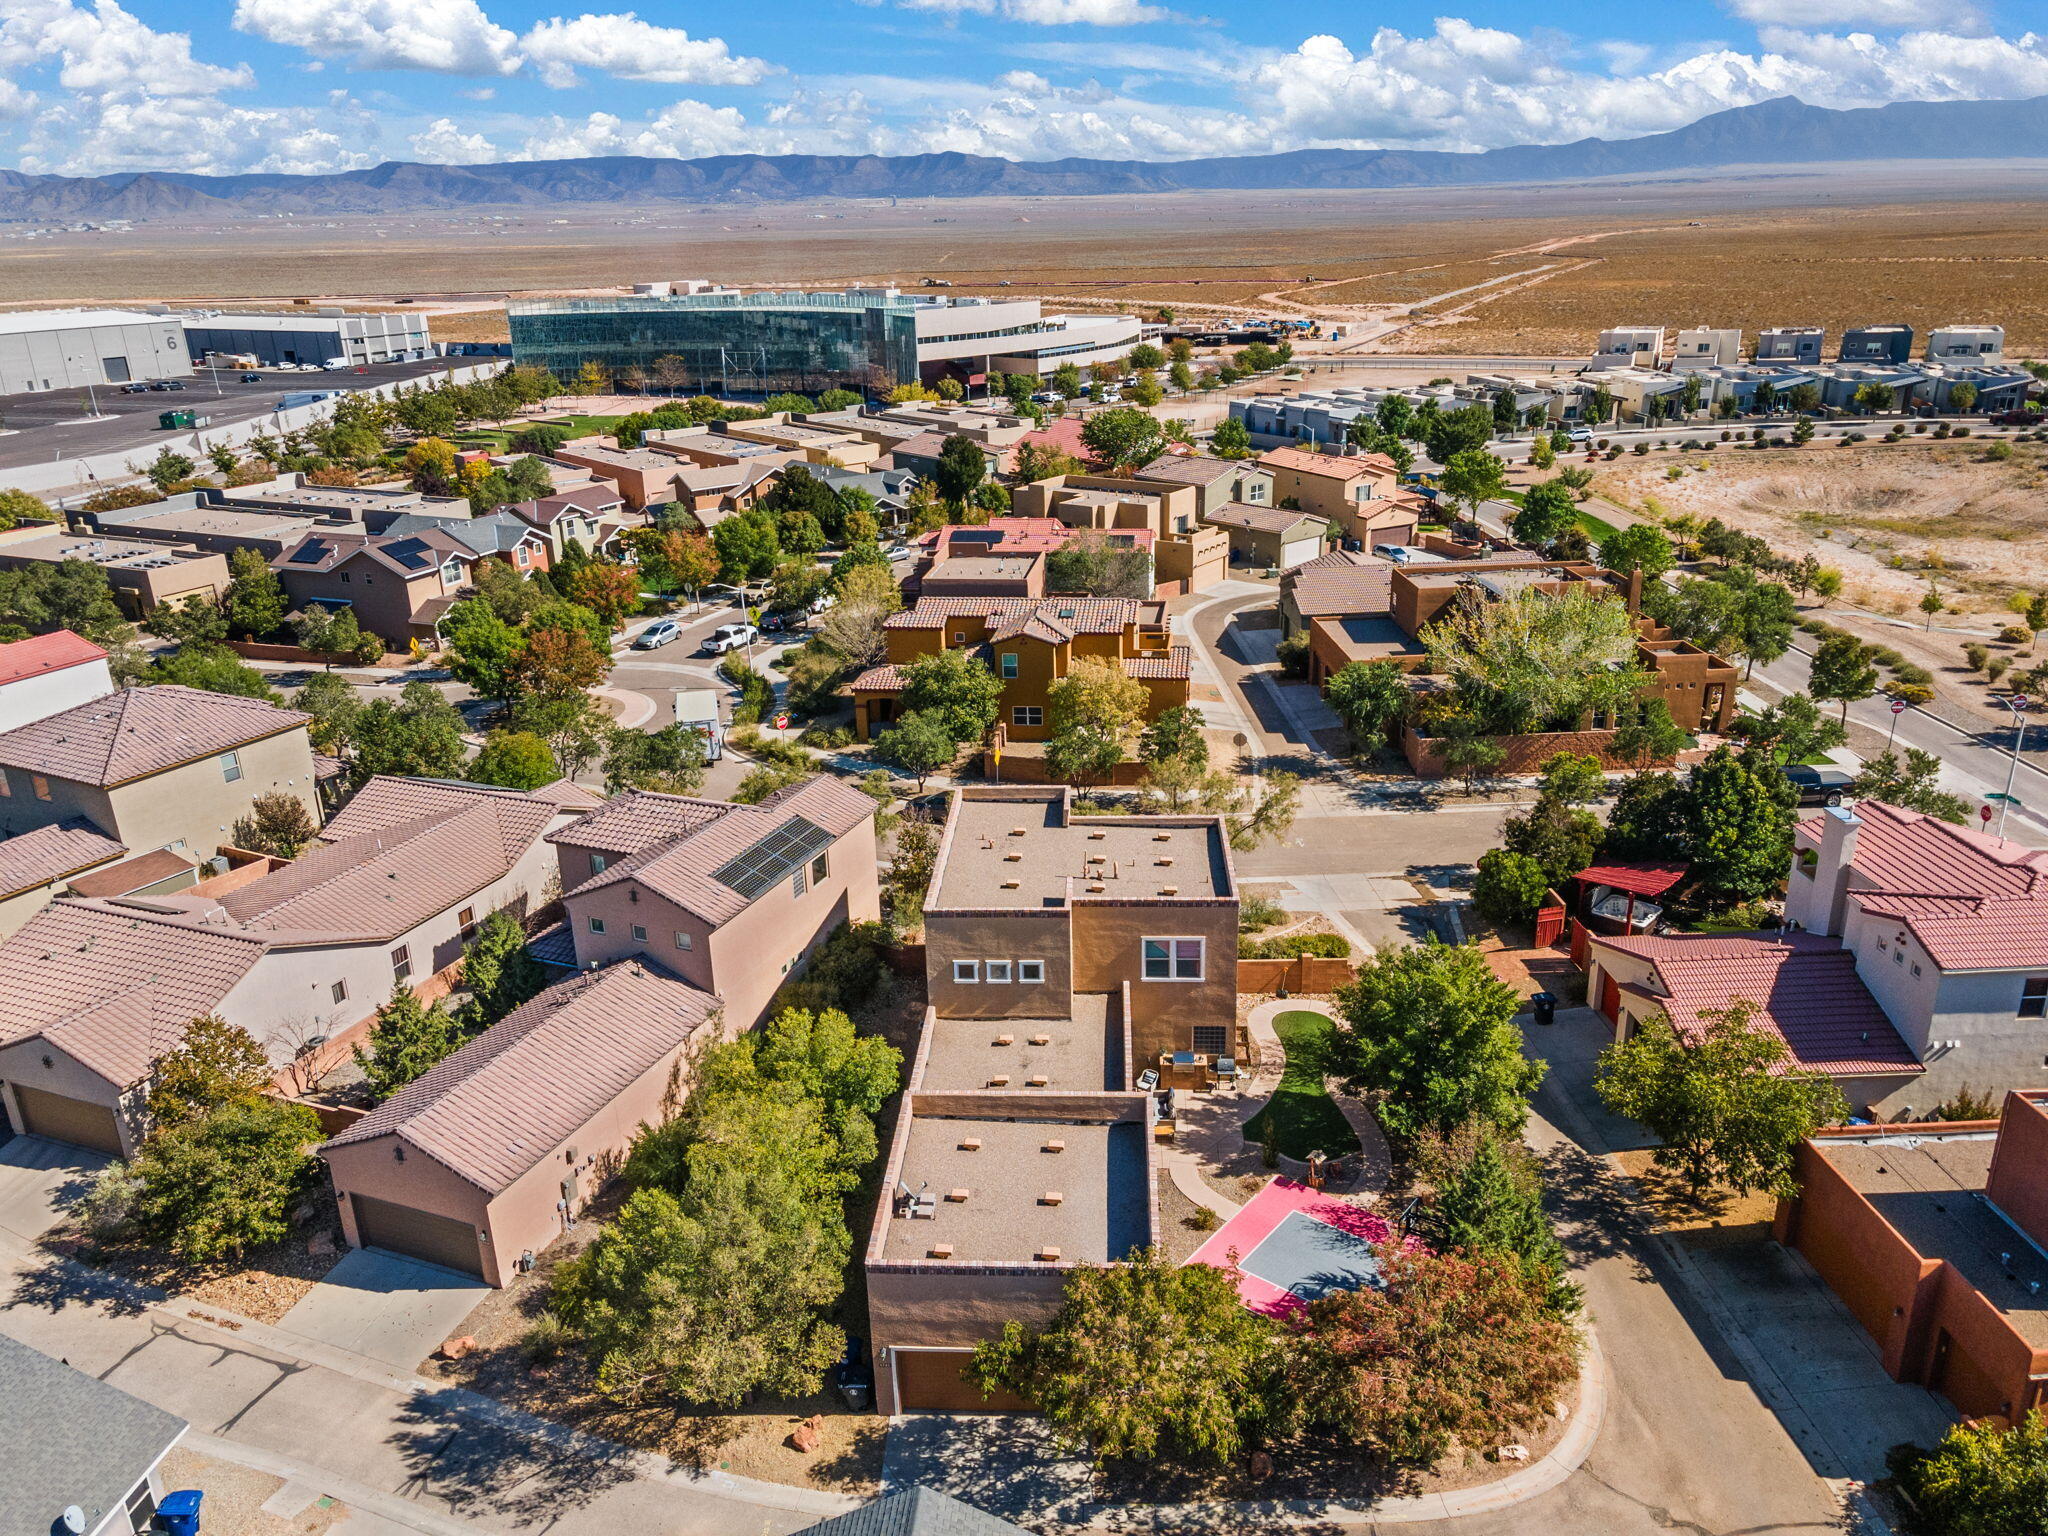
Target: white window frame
{"x":996,"y":972}
{"x":685,"y":941}
{"x":1172,"y":957}
{"x":639,"y":934}
{"x":966,"y":973}
{"x":401,"y":963}
{"x":596,"y":924}
{"x":230,"y":767}
{"x":339,"y":991}
{"x":597,"y":863}
{"x":1030,"y":973}
{"x":1010,"y":665}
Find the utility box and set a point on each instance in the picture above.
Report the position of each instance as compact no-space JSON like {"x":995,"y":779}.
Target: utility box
{"x":172,"y":420}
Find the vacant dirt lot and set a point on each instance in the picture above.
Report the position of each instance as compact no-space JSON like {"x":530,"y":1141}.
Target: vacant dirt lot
{"x":1888,"y":516}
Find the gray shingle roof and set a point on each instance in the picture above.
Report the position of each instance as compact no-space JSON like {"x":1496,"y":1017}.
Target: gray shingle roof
{"x":134,"y":732}
{"x":508,"y":1098}
{"x":917,"y":1511}
{"x":68,"y":1438}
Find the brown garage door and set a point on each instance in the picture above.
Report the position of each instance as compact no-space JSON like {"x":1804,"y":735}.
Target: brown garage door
{"x":417,"y":1234}
{"x":929,"y":1380}
{"x":78,"y":1121}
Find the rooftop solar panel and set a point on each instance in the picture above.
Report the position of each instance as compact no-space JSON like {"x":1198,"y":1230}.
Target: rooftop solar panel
{"x":791,"y":844}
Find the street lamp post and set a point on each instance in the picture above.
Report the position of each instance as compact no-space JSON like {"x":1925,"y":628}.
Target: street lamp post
{"x":2017,"y":703}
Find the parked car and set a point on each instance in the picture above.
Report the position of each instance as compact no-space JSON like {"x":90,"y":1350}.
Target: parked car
{"x":729,"y":637}
{"x":659,"y":633}
{"x":1580,"y":434}
{"x":1820,"y":786}
{"x":1049,"y":397}
{"x":134,"y":389}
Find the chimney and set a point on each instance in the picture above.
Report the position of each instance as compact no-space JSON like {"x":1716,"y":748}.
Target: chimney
{"x":1814,"y":899}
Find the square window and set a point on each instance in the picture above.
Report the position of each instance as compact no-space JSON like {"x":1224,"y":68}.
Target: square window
{"x":821,"y":866}
{"x":1009,"y":664}
{"x":466,"y":920}
{"x":684,"y":941}
{"x":1210,"y":1039}
{"x":1158,"y":959}
{"x":1027,"y":714}
{"x":1187,"y":959}
{"x":597,"y":863}
{"x":401,"y":962}
{"x":345,"y":577}
{"x":597,"y":925}
{"x":998,"y":971}
{"x":1030,"y":972}
{"x":2034,"y":998}
{"x":639,"y":934}
{"x":967,"y":972}
{"x":339,"y":991}
{"x":230,"y":767}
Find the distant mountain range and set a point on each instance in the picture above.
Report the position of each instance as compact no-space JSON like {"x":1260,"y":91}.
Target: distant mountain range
{"x":1782,"y":132}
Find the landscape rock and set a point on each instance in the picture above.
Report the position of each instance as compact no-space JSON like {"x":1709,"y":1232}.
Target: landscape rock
{"x":455,"y":1348}
{"x":805,"y":1436}
{"x":1262,"y":1466}
{"x":319,"y":1243}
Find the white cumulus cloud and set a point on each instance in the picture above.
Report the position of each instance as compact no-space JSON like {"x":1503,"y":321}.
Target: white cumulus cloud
{"x":442,"y":143}
{"x":452,"y":37}
{"x":106,"y":50}
{"x":628,"y":48}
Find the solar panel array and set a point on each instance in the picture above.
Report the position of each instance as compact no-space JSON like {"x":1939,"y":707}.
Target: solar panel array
{"x":791,"y":844}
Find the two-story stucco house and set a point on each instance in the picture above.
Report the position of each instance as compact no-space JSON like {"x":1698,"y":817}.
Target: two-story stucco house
{"x":47,"y":674}
{"x":399,"y":586}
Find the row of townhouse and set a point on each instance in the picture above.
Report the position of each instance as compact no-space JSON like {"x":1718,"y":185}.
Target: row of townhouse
{"x":1642,"y":346}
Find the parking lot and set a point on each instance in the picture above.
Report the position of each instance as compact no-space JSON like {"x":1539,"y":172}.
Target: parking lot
{"x":45,"y":426}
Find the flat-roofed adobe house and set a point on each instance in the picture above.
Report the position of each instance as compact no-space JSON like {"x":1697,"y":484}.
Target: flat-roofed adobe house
{"x":731,"y":898}
{"x":1029,"y":644}
{"x":1064,"y":957}
{"x":493,"y":1153}
{"x":301,"y":957}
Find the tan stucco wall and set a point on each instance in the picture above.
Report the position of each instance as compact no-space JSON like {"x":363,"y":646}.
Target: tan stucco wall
{"x":1037,"y":935}
{"x":194,"y":806}
{"x":1108,"y":953}
{"x":16,"y":910}
{"x":23,"y":1061}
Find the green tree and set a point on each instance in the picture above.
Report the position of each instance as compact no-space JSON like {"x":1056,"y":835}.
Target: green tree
{"x":1122,"y":438}
{"x":481,"y":647}
{"x":748,"y":545}
{"x":334,"y":706}
{"x":1093,"y":564}
{"x":961,"y":468}
{"x":1561,"y":838}
{"x":1394,"y":414}
{"x":1911,"y":784}
{"x":1842,"y":670}
{"x":278,"y":824}
{"x":214,"y":1065}
{"x":417,"y":735}
{"x":1873,"y":398}
{"x":1489,"y":1200}
{"x":1231,"y":439}
{"x":1466,"y":430}
{"x":1982,"y":1480}
{"x":555,"y":664}
{"x":1093,"y":717}
{"x":1738,"y":828}
{"x":1547,"y":511}
{"x":1792,"y":731}
{"x":72,"y":594}
{"x":1471,"y":478}
{"x":671,"y":761}
{"x":1638,"y":547}
{"x":1649,"y":819}
{"x":1726,"y":1100}
{"x":1572,"y":778}
{"x":17,"y":507}
{"x":1648,"y":735}
{"x":1430,"y":1032}
{"x":215,"y":1187}
{"x":1962,"y":397}
{"x":1146,"y":1360}
{"x":516,"y":760}
{"x":1450,"y":1349}
{"x":498,"y":972}
{"x":1509,"y":887}
{"x":1176,"y":732}
{"x":214,"y":669}
{"x":407,"y":1039}
{"x":1373,"y":698}
{"x":1537,"y":661}
{"x":920,"y":744}
{"x":255,"y":601}
{"x":958,"y":691}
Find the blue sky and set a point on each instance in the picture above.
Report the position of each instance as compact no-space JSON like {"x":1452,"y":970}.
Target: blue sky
{"x":320,"y":85}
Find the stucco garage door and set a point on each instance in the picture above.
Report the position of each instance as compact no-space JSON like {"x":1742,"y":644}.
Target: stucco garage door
{"x":78,"y":1121}
{"x":929,"y":1380}
{"x":1300,"y":552}
{"x":418,"y":1234}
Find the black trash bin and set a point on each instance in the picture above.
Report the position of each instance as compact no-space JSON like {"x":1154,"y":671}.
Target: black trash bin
{"x":1544,"y":1005}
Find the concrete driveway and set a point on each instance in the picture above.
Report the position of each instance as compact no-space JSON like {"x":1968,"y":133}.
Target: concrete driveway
{"x":394,"y":1310}
{"x":39,"y":1179}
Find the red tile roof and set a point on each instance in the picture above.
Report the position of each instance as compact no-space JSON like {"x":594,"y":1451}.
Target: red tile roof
{"x":1337,"y":466}
{"x":533,"y":1080}
{"x":1642,"y":879}
{"x":135,"y":732}
{"x":1081,"y":615}
{"x":1173,"y":664}
{"x":45,"y":653}
{"x":1063,"y":434}
{"x":1805,"y":988}
{"x":48,"y":854}
{"x":887,"y":678}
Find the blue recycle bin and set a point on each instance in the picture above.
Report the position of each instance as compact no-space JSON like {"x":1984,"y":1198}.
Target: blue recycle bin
{"x":178,"y":1514}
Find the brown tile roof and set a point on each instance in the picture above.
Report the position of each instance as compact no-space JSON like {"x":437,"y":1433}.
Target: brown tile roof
{"x":1173,"y":664}
{"x":681,"y":868}
{"x":639,"y":819}
{"x":135,"y":732}
{"x":1337,"y":466}
{"x":887,"y":678}
{"x":115,"y":986}
{"x":533,"y":1080}
{"x":45,"y":653}
{"x":409,"y":556}
{"x":1032,"y":624}
{"x":132,"y":875}
{"x":1190,"y":469}
{"x":48,"y":854}
{"x":1244,"y":514}
{"x":1081,"y":615}
{"x":1805,"y":988}
{"x":926,"y":445}
{"x":1341,"y":583}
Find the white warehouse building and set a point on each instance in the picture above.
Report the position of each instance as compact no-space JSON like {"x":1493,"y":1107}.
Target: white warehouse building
{"x":308,"y":336}
{"x":81,"y":348}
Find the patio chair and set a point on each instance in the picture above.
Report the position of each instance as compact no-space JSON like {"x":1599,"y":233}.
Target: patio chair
{"x":1148,"y":1079}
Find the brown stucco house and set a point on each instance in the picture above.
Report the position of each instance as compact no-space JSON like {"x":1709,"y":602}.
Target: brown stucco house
{"x":731,"y":898}
{"x":1217,"y":482}
{"x":1359,"y":493}
{"x":493,"y":1153}
{"x":1277,"y":537}
{"x":156,"y":768}
{"x":399,"y":585}
{"x":1064,"y":958}
{"x":1030,"y":644}
{"x":37,"y":866}
{"x":301,"y":957}
{"x":1186,"y":556}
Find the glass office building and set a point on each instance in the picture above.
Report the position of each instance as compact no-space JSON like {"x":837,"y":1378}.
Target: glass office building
{"x":726,"y":343}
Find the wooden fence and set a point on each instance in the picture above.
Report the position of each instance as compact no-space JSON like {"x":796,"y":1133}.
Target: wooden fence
{"x":1304,"y":974}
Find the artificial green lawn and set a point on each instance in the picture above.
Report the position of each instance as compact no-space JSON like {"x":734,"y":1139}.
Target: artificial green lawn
{"x":1303,"y":1116}
{"x":496,"y":438}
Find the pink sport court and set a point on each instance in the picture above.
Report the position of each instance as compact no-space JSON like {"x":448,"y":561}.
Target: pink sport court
{"x":1294,"y":1244}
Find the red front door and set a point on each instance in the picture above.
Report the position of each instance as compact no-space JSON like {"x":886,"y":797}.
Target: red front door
{"x":1610,"y":997}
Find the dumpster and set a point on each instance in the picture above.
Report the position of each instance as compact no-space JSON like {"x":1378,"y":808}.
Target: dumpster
{"x":1544,"y":1005}
{"x":178,"y":1513}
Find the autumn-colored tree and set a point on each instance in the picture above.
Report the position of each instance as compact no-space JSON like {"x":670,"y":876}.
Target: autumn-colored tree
{"x":556,"y":664}
{"x":610,"y":591}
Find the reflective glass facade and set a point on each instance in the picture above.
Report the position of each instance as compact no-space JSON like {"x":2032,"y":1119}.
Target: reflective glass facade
{"x":738,"y":344}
